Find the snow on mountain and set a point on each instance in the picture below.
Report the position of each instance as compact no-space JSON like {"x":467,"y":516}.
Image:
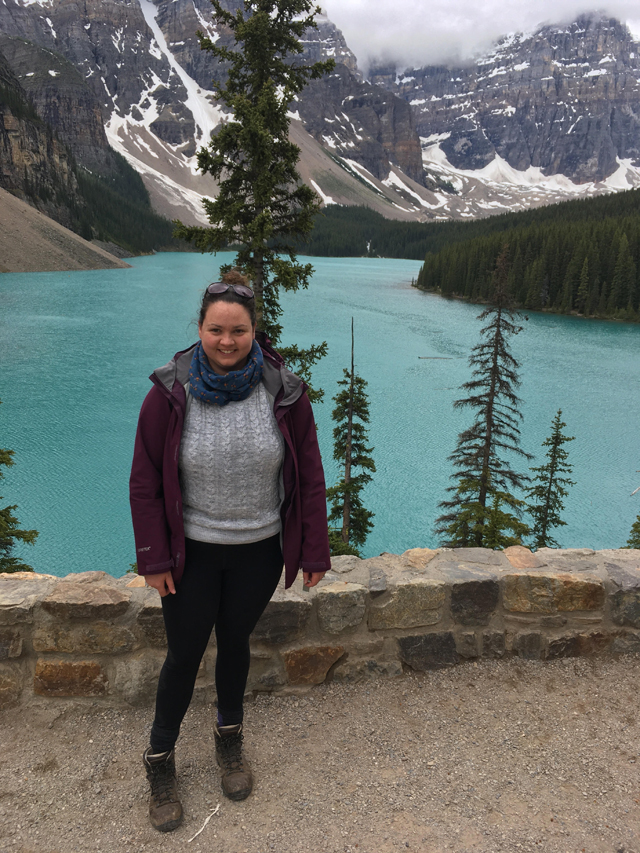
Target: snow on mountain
{"x":541,"y":117}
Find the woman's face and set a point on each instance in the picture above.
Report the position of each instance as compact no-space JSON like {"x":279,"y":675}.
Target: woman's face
{"x":227,"y":336}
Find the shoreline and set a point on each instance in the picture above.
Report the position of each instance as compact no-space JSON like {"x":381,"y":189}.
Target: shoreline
{"x":30,"y":241}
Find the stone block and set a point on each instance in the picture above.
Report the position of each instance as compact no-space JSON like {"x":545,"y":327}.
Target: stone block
{"x":135,"y":678}
{"x":265,"y":682}
{"x":283,"y":620}
{"x":528,"y":645}
{"x":10,"y":643}
{"x":493,"y":644}
{"x":625,"y":607}
{"x":137,"y":582}
{"x":474,"y":602}
{"x":89,"y":577}
{"x":550,"y":592}
{"x":556,"y":621}
{"x":311,"y":665}
{"x":377,"y":581}
{"x":95,"y":638}
{"x":344,"y":564}
{"x":576,"y":645}
{"x":389,"y":563}
{"x":412,"y":604}
{"x":569,"y":559}
{"x":151,"y":620}
{"x":340,"y":606}
{"x":418,"y":558}
{"x":11,"y":685}
{"x":69,"y":678}
{"x":19,"y":593}
{"x":565,"y":553}
{"x":626,"y":642}
{"x":480,"y":557}
{"x":467,"y":644}
{"x":624,"y":574}
{"x":266,"y":672}
{"x":429,"y":651}
{"x":87,"y":598}
{"x":353,"y":671}
{"x":522,"y":558}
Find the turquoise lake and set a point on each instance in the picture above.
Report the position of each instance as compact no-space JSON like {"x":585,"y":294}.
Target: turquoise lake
{"x":76,"y":350}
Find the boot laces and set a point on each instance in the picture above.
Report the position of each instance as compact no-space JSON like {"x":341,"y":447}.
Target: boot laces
{"x":230,"y":747}
{"x":161,"y":777}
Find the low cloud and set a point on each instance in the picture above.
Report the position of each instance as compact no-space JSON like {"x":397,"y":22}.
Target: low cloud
{"x":414,"y":33}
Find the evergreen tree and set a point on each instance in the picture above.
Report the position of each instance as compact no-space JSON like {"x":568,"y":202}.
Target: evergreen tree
{"x":262,"y":206}
{"x":482,"y":504}
{"x":351,"y":449}
{"x":582,"y":296}
{"x":10,"y":533}
{"x":634,"y":536}
{"x":500,"y":523}
{"x":624,"y":280}
{"x":549,"y":489}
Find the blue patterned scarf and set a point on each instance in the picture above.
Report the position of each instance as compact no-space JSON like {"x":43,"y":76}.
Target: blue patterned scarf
{"x":221,"y":389}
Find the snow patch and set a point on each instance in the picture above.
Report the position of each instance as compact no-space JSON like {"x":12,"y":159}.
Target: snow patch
{"x":52,"y":73}
{"x":435,"y":137}
{"x":325,"y":198}
{"x":206,"y":116}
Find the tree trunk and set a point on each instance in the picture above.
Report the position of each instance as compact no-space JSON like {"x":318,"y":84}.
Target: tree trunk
{"x":486,"y":453}
{"x":258,"y":284}
{"x":346,"y":511}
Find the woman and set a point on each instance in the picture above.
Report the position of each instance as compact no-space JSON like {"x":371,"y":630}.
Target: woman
{"x":226,"y":484}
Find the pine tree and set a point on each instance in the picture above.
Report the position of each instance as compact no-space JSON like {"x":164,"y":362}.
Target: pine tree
{"x":623,"y":283}
{"x":582,"y":296}
{"x":549,"y":489}
{"x":482,"y":502}
{"x":634,"y":536}
{"x":351,"y":449}
{"x":9,"y":530}
{"x":262,"y":206}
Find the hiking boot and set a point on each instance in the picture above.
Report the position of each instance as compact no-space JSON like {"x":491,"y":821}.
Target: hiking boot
{"x":165,"y":809}
{"x":237,"y":781}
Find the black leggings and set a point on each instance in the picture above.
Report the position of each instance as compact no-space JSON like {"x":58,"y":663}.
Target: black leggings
{"x":228,"y":586}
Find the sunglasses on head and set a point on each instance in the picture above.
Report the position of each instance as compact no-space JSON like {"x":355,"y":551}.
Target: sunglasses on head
{"x":238,"y":289}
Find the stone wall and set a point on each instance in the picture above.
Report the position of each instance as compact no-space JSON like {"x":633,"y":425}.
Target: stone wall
{"x":91,"y":635}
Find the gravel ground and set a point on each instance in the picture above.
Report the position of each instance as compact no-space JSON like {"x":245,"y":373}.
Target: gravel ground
{"x":488,"y":756}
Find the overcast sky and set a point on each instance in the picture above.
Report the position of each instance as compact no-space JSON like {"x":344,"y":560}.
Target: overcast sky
{"x":421,"y":32}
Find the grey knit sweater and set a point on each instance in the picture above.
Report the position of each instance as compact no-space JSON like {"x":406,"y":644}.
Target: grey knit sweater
{"x":230,"y":460}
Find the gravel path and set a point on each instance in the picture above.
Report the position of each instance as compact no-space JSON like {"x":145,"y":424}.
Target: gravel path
{"x":488,"y":756}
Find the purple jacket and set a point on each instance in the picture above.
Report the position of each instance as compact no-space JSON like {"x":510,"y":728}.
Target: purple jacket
{"x":154,"y":486}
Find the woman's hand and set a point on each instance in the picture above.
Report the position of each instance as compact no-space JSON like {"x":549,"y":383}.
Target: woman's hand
{"x":163,"y":583}
{"x":312,"y":578}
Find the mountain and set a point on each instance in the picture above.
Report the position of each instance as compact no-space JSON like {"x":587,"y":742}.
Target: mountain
{"x":153,"y":84}
{"x":551,"y":114}
{"x":34,"y":165}
{"x":542,"y":117}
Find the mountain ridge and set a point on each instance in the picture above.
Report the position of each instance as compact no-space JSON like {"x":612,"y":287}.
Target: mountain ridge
{"x":430,"y":144}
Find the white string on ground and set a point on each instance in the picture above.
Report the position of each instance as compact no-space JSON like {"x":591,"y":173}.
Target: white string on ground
{"x":213,"y":811}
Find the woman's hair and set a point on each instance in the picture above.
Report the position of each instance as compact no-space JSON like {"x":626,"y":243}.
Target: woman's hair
{"x":233,"y":276}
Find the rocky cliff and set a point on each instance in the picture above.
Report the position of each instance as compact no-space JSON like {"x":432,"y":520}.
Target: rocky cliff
{"x":143,"y":64}
{"x":541,"y":118}
{"x":34,"y":165}
{"x":62,"y":98}
{"x":564,"y":100}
